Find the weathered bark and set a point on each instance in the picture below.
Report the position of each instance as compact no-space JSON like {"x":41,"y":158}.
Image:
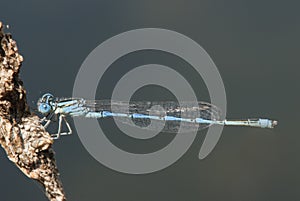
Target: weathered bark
{"x":24,"y":139}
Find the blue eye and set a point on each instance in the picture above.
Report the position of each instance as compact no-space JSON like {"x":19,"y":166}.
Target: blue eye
{"x":44,"y":108}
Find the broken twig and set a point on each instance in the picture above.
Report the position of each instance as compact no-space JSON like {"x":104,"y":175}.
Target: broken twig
{"x":24,"y":139}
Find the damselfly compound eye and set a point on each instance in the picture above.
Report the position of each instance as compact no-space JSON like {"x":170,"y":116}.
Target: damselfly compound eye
{"x":44,"y":108}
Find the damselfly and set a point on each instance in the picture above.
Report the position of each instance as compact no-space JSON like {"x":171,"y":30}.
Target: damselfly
{"x":167,"y":116}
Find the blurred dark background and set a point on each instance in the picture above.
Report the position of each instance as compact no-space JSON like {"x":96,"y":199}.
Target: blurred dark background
{"x":255,"y":45}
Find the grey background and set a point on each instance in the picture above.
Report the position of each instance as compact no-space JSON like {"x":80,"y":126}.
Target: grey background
{"x":255,"y":45}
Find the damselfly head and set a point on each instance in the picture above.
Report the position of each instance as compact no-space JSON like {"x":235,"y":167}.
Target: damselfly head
{"x":47,"y":97}
{"x":44,"y":103}
{"x":44,"y":108}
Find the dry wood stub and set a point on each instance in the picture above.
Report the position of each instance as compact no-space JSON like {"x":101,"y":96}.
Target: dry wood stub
{"x":24,"y":139}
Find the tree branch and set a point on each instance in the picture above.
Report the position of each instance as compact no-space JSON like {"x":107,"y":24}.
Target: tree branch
{"x":24,"y":139}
